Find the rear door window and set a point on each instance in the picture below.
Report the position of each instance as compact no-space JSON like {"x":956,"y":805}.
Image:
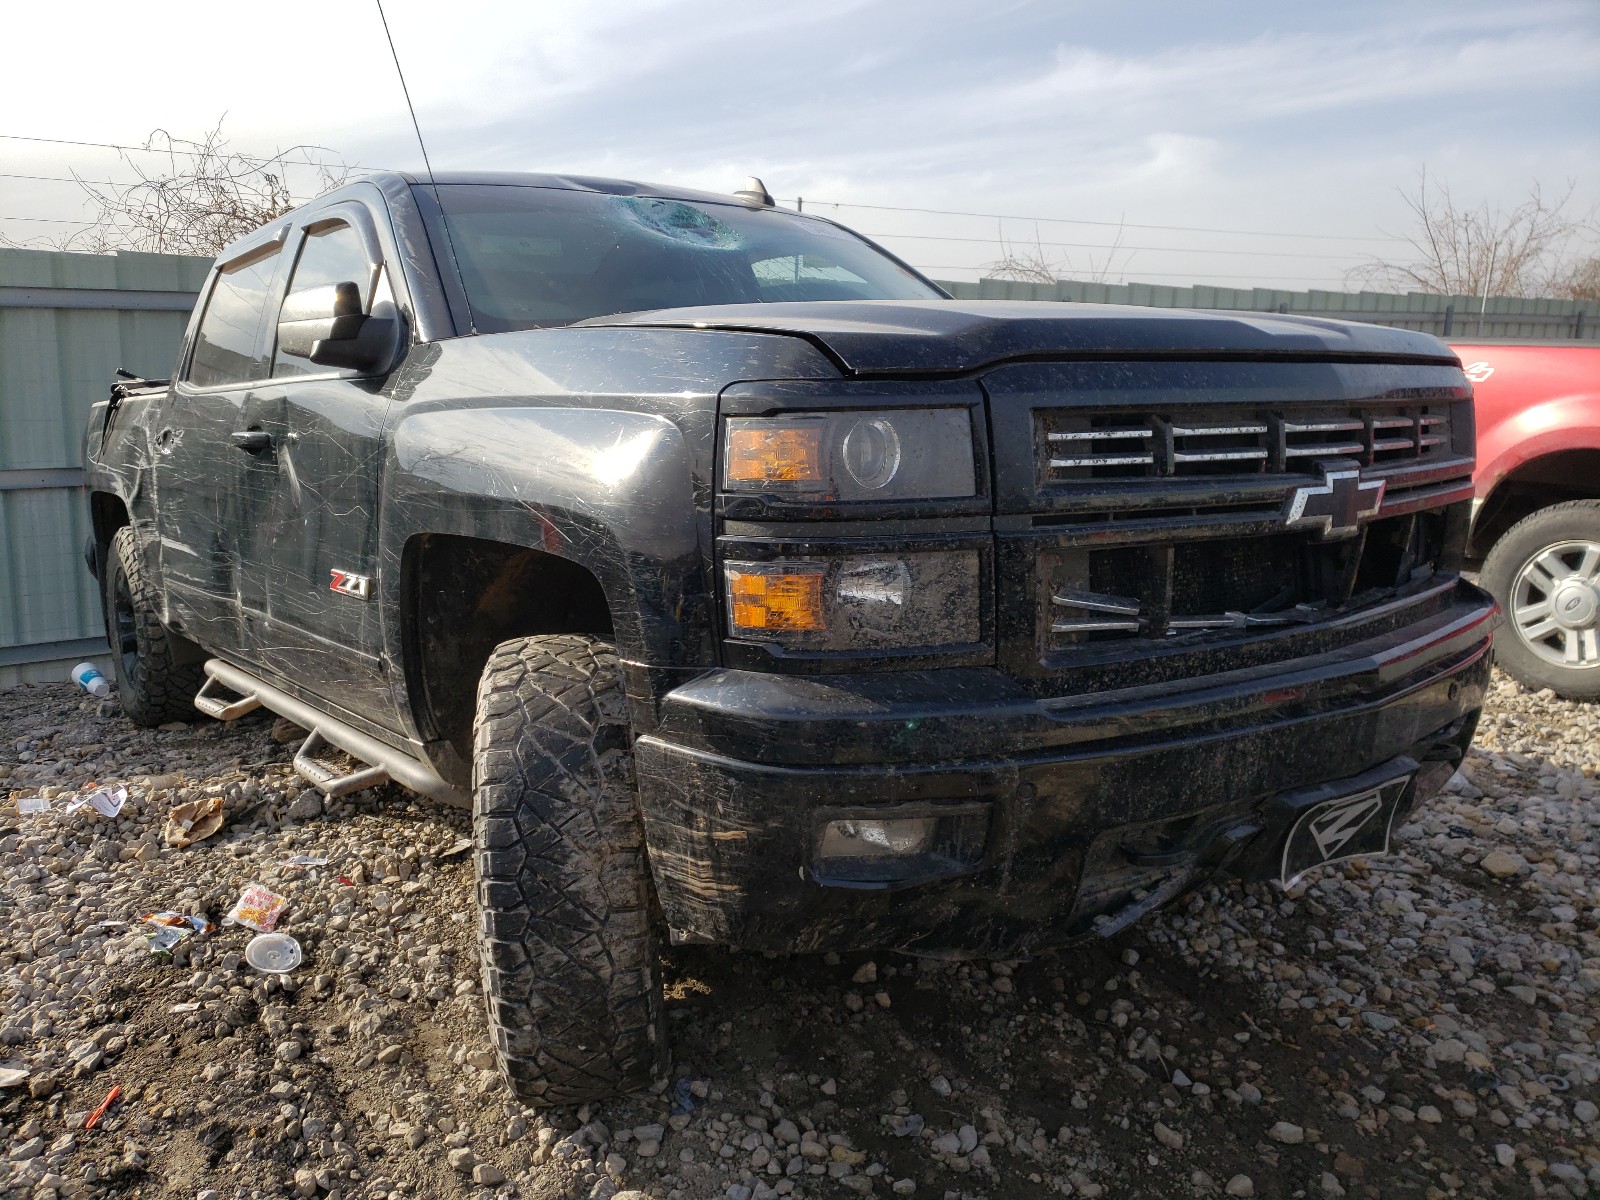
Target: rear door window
{"x":227,"y":346}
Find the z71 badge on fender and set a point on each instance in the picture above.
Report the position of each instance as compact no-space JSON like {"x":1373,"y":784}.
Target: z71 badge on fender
{"x":359,"y":586}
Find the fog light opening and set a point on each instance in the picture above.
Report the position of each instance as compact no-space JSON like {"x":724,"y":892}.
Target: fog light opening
{"x":920,"y":842}
{"x":857,"y":839}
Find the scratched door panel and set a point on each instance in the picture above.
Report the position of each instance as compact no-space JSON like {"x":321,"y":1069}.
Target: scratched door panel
{"x":310,"y":565}
{"x":195,"y":472}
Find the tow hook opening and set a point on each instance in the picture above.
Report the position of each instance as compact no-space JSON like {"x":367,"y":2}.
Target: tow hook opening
{"x":1191,"y":852}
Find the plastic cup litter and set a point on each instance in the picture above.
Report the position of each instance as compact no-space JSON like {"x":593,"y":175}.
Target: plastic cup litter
{"x":88,"y":677}
{"x":275,"y":953}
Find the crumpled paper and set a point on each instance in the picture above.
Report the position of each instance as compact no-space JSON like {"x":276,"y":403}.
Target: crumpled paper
{"x":193,"y":822}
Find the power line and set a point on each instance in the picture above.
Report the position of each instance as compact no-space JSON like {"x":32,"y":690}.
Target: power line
{"x":64,"y":179}
{"x":305,"y":161}
{"x":119,"y":183}
{"x":1143,"y":275}
{"x":928,"y":237}
{"x":18,"y":137}
{"x":940,"y":212}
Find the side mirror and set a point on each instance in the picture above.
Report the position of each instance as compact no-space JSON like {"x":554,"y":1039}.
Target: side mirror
{"x":327,"y":326}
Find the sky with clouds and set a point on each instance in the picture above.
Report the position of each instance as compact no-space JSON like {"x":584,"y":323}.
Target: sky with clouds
{"x":1181,"y":132}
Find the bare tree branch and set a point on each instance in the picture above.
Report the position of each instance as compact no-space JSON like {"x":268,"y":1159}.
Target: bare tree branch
{"x":1030,"y":264}
{"x":1581,"y":281}
{"x":1464,"y":251}
{"x":202,"y":198}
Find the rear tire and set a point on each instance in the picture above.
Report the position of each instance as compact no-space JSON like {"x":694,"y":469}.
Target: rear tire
{"x":157,"y":673}
{"x":571,"y":972}
{"x":1545,"y":572}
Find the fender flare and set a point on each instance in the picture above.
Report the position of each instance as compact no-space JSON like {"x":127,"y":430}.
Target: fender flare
{"x":610,"y":490}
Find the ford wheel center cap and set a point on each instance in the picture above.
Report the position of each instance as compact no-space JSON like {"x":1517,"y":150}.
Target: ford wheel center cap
{"x":1575,"y":605}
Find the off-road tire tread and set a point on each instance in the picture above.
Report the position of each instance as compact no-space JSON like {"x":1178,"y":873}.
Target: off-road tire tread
{"x":570,"y":966}
{"x":168,"y":680}
{"x":1500,"y":568}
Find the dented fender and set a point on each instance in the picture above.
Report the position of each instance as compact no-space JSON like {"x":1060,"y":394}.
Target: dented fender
{"x":610,"y":490}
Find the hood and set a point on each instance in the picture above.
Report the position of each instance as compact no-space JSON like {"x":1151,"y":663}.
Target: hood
{"x":953,"y":337}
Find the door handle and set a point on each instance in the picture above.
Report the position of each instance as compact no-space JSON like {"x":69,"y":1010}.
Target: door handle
{"x":252,"y":441}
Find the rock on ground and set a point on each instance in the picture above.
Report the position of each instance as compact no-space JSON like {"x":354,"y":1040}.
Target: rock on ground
{"x":1422,"y":1025}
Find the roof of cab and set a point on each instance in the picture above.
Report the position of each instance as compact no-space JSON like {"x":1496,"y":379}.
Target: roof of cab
{"x":390,"y":181}
{"x":570,"y":183}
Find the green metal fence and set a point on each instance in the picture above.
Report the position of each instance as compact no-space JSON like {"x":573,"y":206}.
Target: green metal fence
{"x":67,"y":322}
{"x":1460,"y":317}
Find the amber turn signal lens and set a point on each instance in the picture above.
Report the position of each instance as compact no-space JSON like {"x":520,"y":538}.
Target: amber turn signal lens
{"x":782,"y":454}
{"x":775,"y":601}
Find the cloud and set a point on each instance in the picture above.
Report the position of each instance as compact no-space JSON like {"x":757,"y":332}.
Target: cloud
{"x":1250,"y":114}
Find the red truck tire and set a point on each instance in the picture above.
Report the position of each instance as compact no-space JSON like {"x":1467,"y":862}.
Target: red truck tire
{"x":1545,"y":572}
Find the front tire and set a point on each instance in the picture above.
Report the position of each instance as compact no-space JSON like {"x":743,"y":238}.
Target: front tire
{"x":571,"y":971}
{"x":1545,"y":572}
{"x":157,"y":673}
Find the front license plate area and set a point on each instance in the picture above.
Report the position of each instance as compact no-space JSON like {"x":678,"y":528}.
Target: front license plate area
{"x":1345,"y":827}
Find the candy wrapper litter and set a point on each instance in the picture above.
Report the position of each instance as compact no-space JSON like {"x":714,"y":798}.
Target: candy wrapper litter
{"x":168,"y":929}
{"x":257,"y":908}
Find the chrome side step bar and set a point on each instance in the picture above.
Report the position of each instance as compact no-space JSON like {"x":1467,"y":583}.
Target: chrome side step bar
{"x":213,"y":705}
{"x":385,"y":762}
{"x":329,"y":782}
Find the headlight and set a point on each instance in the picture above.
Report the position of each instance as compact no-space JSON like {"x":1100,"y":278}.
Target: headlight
{"x":888,"y":454}
{"x":890,"y":601}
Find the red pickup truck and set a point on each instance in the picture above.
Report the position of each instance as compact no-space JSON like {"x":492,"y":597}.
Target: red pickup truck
{"x":1536,"y":516}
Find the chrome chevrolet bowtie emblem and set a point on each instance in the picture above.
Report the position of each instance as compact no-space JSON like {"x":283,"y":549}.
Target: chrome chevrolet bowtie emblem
{"x":1336,"y":507}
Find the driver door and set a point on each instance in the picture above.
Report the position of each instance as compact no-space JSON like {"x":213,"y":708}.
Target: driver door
{"x":309,"y":592}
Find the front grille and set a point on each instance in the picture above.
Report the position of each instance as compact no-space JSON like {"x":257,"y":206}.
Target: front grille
{"x":1227,"y":586}
{"x":1143,"y":513}
{"x":1078,"y":446}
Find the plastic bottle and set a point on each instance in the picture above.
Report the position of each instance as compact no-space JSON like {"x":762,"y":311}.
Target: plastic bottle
{"x":88,"y":677}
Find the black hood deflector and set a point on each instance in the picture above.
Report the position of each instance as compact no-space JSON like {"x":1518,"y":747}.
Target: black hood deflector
{"x":944,"y":338}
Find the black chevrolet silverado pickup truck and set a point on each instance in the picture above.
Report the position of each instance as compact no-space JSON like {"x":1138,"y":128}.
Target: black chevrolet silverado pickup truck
{"x":754,"y":592}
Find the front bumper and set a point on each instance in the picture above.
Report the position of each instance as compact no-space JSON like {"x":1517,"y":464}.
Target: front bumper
{"x":1079,"y":805}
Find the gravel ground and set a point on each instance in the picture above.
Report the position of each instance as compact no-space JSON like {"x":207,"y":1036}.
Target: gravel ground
{"x":1422,"y":1025}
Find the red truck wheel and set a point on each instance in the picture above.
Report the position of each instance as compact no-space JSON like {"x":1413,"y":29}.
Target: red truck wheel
{"x":1545,"y":572}
{"x":571,"y":973}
